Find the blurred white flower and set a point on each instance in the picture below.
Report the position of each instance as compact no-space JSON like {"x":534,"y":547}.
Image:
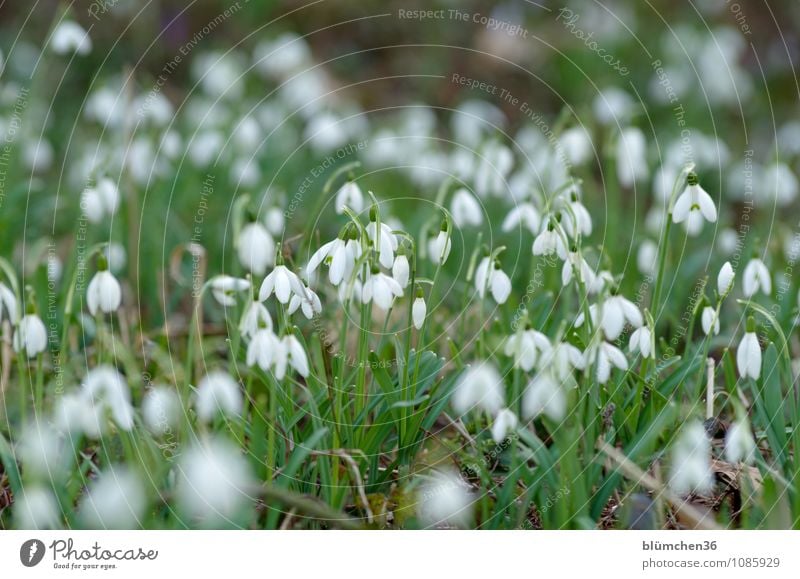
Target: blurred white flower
{"x":561,"y":359}
{"x":575,"y":145}
{"x":275,"y":221}
{"x":387,"y":244}
{"x":613,"y":106}
{"x":115,"y":500}
{"x":418,"y":311}
{"x":445,"y":500}
{"x":255,"y":317}
{"x":642,"y":341}
{"x":550,"y":242}
{"x":647,"y":257}
{"x":30,"y":336}
{"x":780,"y":185}
{"x":214,"y":484}
{"x":631,"y":157}
{"x":36,"y":508}
{"x":217,"y":393}
{"x":523,"y":215}
{"x":382,"y":288}
{"x":350,"y":196}
{"x":339,"y":255}
{"x":544,"y":395}
{"x":290,"y":353}
{"x":693,"y":206}
{"x":40,"y":450}
{"x":255,"y":248}
{"x":282,"y":56}
{"x":691,"y":461}
{"x":104,"y":293}
{"x":488,"y":275}
{"x":575,"y":218}
{"x":505,"y":422}
{"x":465,"y":209}
{"x":69,"y":37}
{"x":605,"y":356}
{"x":161,"y":409}
{"x":575,"y":262}
{"x":525,"y":346}
{"x":284,"y":283}
{"x":725,"y":279}
{"x":309,"y":305}
{"x":756,"y":277}
{"x":261,"y":349}
{"x":401,"y":270}
{"x":709,"y":321}
{"x":106,"y":392}
{"x":614,"y":312}
{"x":739,"y":443}
{"x":8,"y":304}
{"x":493,"y":170}
{"x":224,"y":289}
{"x":479,"y":386}
{"x":748,"y":356}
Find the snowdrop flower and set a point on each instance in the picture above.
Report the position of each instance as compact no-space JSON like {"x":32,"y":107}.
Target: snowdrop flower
{"x":739,"y":443}
{"x":101,"y":201}
{"x":575,"y":262}
{"x":544,"y":395}
{"x":382,"y":288}
{"x":490,"y":176}
{"x":106,"y":393}
{"x":284,"y":283}
{"x":549,"y":241}
{"x":631,"y":157}
{"x":575,"y":146}
{"x":218,"y":392}
{"x":525,"y":347}
{"x":8,"y":304}
{"x":30,"y":337}
{"x":613,"y":105}
{"x":780,"y":185}
{"x":347,"y":291}
{"x":691,"y":461}
{"x":225,"y":287}
{"x":646,"y":257}
{"x":274,"y":221}
{"x":439,"y":246}
{"x":116,"y":500}
{"x":606,"y":357}
{"x":261,"y":349}
{"x":725,"y":279}
{"x":709,"y":321}
{"x":309,"y":305}
{"x":36,"y":508}
{"x":350,"y":196}
{"x":419,"y":310}
{"x":388,"y":241}
{"x":255,"y":317}
{"x":480,"y":386}
{"x":465,"y":209}
{"x":104,"y":293}
{"x":255,"y":248}
{"x":525,"y":215}
{"x":290,"y":353}
{"x":400,"y":270}
{"x":576,"y":218}
{"x":340,"y":255}
{"x":561,"y":359}
{"x":445,"y":501}
{"x":642,"y":341}
{"x":756,"y":277}
{"x":214,"y":481}
{"x":161,"y":410}
{"x":69,"y":37}
{"x":613,"y":314}
{"x":40,"y":449}
{"x":693,"y":206}
{"x":505,"y":422}
{"x":748,"y":354}
{"x":489,"y":276}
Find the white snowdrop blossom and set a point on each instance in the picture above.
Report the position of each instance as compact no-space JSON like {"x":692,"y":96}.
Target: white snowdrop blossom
{"x":439,"y":247}
{"x":101,"y":201}
{"x":214,"y":482}
{"x":691,"y":461}
{"x":8,"y":304}
{"x":418,"y":311}
{"x":339,"y":255}
{"x":217,"y":393}
{"x":290,"y":352}
{"x":255,"y":317}
{"x":550,"y":242}
{"x":606,"y":357}
{"x":488,"y":275}
{"x":693,"y":206}
{"x":40,"y":450}
{"x":575,"y":145}
{"x":740,"y":446}
{"x":36,"y":508}
{"x":387,"y":244}
{"x":561,"y":359}
{"x":525,"y":346}
{"x":575,"y":219}
{"x":748,"y":356}
{"x":69,"y":37}
{"x":613,"y":314}
{"x":30,"y":336}
{"x":642,"y":341}
{"x":505,"y":422}
{"x":401,"y":270}
{"x":524,"y":215}
{"x":544,"y":395}
{"x":225,"y":287}
{"x":709,"y":321}
{"x":445,"y":500}
{"x":631,"y":157}
{"x":381,"y":288}
{"x":262,"y":348}
{"x":161,"y":409}
{"x":725,"y":279}
{"x":284,"y":283}
{"x":106,"y":394}
{"x":104,"y":293}
{"x":575,"y":262}
{"x":309,"y":305}
{"x":255,"y":248}
{"x":115,"y":500}
{"x":756,"y":277}
{"x":465,"y":209}
{"x":274,"y":221}
{"x":646,"y":257}
{"x":480,"y":386}
{"x":350,"y":196}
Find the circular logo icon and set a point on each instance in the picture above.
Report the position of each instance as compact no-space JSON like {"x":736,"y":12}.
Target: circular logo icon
{"x":32,"y":552}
